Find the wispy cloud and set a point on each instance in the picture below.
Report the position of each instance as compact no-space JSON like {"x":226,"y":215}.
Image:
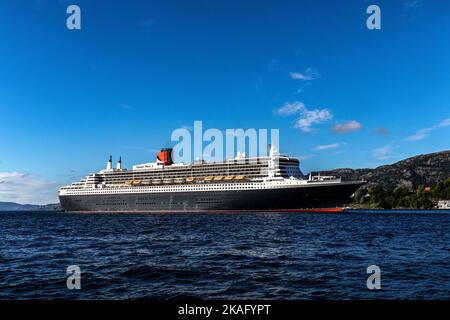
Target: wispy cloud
{"x":307,"y":117}
{"x":311,"y":117}
{"x":382,"y":153}
{"x":329,"y":146}
{"x":307,"y":75}
{"x":424,"y":133}
{"x":420,"y":135}
{"x":347,"y":127}
{"x":303,"y":87}
{"x":26,"y":188}
{"x":444,"y":123}
{"x":308,"y":156}
{"x":289,"y":109}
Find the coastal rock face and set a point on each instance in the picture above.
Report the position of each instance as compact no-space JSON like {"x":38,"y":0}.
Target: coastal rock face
{"x":427,"y":169}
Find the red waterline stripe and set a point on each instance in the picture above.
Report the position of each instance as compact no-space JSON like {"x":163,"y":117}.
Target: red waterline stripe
{"x":322,"y":210}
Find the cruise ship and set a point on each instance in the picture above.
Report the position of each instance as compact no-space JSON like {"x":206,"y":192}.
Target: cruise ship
{"x":269,"y":183}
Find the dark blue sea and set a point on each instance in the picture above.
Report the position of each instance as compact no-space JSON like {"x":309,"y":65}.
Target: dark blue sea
{"x":232,"y":256}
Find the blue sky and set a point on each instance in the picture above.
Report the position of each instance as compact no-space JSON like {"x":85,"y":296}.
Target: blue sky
{"x":342,"y":95}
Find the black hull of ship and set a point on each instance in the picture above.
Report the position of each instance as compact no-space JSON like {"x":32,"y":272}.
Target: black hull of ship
{"x":302,"y":198}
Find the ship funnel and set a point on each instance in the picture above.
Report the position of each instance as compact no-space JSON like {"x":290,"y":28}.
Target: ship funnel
{"x":119,"y":164}
{"x":109,"y":165}
{"x":165,"y":156}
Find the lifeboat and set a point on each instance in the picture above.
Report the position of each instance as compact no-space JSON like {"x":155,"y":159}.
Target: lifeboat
{"x":190,"y":179}
{"x":218,"y":178}
{"x":239,"y":178}
{"x":228,"y":178}
{"x":209,"y":178}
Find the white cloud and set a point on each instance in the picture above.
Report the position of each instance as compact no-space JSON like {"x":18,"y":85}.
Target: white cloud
{"x":444,"y":123}
{"x":307,"y":75}
{"x":26,"y":188}
{"x":303,"y":87}
{"x":382,"y":153}
{"x":346,"y":127}
{"x":307,"y":117}
{"x":424,"y":133}
{"x":420,"y":135}
{"x":311,"y":117}
{"x":329,"y":146}
{"x":309,"y":156}
{"x":290,"y":108}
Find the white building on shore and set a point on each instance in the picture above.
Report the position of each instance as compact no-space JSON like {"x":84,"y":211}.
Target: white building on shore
{"x":443,"y":204}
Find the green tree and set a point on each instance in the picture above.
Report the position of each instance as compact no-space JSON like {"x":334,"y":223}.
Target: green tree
{"x":360,"y":196}
{"x":447,"y":183}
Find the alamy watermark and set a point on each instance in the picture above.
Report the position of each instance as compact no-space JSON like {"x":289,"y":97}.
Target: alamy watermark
{"x":374,"y":20}
{"x":73,"y":21}
{"x":374,"y":280}
{"x":74,"y":277}
{"x":214,"y":145}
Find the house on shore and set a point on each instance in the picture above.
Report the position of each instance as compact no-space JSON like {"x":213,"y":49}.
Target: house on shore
{"x":443,"y":204}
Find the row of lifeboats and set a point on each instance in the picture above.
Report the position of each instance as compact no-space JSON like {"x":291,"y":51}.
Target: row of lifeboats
{"x":207,"y":179}
{"x":215,"y":178}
